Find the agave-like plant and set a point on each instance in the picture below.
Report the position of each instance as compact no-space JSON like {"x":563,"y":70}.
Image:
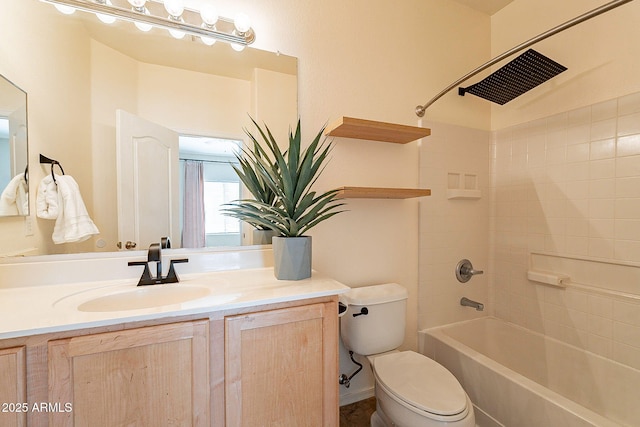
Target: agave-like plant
{"x":247,"y":172}
{"x":289,"y":174}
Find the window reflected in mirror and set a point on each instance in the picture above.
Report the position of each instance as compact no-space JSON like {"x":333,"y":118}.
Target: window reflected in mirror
{"x":207,"y":182}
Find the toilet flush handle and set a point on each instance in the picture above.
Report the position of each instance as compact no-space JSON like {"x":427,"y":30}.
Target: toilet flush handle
{"x":363,"y":312}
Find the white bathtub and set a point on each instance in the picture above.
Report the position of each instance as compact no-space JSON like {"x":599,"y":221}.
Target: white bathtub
{"x":519,"y":378}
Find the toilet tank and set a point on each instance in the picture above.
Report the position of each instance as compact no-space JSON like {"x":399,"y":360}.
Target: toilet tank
{"x":381,"y":329}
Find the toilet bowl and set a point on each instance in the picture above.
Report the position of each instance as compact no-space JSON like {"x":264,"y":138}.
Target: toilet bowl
{"x":411,"y":389}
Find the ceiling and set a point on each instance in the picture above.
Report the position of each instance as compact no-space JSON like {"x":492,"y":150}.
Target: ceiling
{"x":486,"y":6}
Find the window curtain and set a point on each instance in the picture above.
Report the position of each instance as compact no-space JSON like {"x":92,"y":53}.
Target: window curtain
{"x":193,"y":229}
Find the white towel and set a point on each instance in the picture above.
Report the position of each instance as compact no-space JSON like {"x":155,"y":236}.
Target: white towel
{"x":47,"y":205}
{"x":15,"y":197}
{"x":61,"y":200}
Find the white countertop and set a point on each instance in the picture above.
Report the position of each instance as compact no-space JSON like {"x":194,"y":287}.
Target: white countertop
{"x":36,"y":310}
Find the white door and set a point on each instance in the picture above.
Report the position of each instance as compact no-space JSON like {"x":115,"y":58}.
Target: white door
{"x":148,"y":182}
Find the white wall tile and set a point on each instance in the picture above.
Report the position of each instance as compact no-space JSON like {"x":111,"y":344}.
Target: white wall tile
{"x":628,"y":145}
{"x":451,"y":230}
{"x":628,"y":166}
{"x":584,"y":202}
{"x":604,"y":110}
{"x":578,"y":152}
{"x":600,"y":169}
{"x":603,"y":129}
{"x":603,"y":149}
{"x":629,"y":124}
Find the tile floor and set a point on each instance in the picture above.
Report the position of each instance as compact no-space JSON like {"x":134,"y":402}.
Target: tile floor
{"x":357,"y":414}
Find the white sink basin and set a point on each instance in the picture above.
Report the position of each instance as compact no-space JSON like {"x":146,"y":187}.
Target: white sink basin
{"x":145,"y":297}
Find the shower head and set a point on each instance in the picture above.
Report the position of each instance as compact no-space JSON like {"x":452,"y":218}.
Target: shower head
{"x":515,"y":78}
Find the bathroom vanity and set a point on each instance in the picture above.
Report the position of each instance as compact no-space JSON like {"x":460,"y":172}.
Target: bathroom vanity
{"x":254,"y":351}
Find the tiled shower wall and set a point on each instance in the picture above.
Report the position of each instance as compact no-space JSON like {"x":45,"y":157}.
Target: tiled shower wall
{"x":569,"y":184}
{"x":452,"y":229}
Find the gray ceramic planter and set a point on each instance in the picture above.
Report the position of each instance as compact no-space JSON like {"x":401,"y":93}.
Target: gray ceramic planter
{"x":292,"y":257}
{"x":262,"y":237}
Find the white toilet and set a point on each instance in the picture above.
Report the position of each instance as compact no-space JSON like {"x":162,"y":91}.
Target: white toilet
{"x":412,"y":390}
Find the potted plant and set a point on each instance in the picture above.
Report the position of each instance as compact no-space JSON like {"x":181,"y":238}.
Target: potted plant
{"x":247,"y":158}
{"x":297,"y":208}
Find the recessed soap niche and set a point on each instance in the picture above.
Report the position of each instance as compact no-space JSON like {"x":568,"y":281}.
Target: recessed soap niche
{"x":462,"y":185}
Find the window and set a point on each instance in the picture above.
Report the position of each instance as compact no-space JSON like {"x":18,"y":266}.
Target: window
{"x":216,"y":194}
{"x":221,"y":185}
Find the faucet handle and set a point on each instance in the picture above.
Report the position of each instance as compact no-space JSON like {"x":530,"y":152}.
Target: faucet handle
{"x":165,"y":243}
{"x":465,"y":270}
{"x":146,"y":278}
{"x":172,"y":276}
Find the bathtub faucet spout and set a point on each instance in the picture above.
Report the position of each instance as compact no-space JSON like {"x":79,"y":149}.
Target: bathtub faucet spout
{"x":470,"y":303}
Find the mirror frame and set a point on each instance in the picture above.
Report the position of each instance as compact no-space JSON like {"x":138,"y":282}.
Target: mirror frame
{"x":17,"y":185}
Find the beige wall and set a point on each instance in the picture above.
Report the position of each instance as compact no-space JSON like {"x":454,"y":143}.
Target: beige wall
{"x":374,"y":61}
{"x":213,"y":101}
{"x":62,"y":138}
{"x":113,"y":85}
{"x":275,"y":101}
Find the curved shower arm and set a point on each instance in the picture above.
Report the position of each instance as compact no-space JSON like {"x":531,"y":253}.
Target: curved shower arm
{"x":420,"y":109}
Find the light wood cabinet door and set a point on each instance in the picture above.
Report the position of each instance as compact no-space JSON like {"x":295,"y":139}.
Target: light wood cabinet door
{"x":13,"y":387}
{"x":282,"y":367}
{"x":151,"y":376}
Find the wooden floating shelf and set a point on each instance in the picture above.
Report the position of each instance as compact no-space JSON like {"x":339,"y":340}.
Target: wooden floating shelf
{"x":382,"y":193}
{"x":348,"y":127}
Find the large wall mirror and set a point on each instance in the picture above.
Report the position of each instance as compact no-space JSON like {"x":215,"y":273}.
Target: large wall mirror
{"x":14,"y":174}
{"x":79,"y":72}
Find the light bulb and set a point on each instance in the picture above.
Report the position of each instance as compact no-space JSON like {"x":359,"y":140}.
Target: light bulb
{"x":209,"y":41}
{"x":237,"y":47}
{"x":242,"y":23}
{"x":138,"y":4}
{"x":177,"y":34}
{"x":209,"y":15}
{"x":67,"y":10}
{"x":143,"y":27}
{"x":107,"y":19}
{"x":174,"y":7}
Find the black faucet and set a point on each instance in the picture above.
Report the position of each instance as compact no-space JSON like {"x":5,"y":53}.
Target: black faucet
{"x":155,"y":255}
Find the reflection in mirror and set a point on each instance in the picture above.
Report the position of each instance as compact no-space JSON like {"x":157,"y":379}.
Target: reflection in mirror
{"x":14,"y":188}
{"x":205,"y":164}
{"x":79,"y":71}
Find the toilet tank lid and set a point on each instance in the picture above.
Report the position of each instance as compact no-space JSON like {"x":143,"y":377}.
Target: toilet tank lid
{"x":376,"y":294}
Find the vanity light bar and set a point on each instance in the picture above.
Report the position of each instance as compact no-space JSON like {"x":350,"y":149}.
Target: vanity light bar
{"x":191,"y":22}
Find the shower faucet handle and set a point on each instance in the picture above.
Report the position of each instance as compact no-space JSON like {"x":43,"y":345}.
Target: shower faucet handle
{"x":465,"y":270}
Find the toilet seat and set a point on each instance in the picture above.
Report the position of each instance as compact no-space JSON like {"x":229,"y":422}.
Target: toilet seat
{"x":421,"y":384}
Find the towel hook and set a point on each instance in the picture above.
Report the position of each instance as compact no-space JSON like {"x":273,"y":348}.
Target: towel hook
{"x":52,"y":162}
